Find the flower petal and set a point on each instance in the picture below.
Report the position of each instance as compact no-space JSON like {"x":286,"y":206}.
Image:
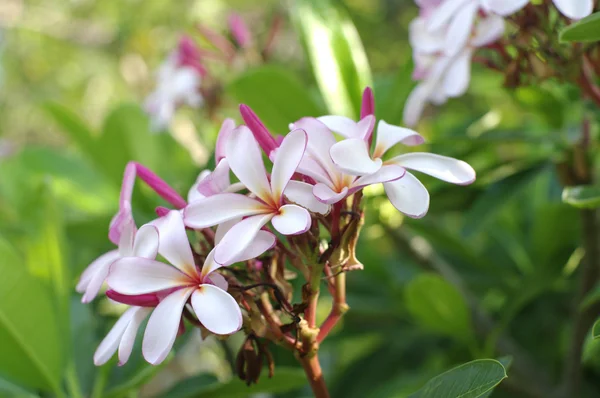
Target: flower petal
{"x":352,"y":157}
{"x":218,"y":280}
{"x":327,"y":195}
{"x":385,"y":174}
{"x":575,"y":9}
{"x":292,"y":220}
{"x":138,"y":275}
{"x":460,"y":28}
{"x":365,"y":127}
{"x":220,"y":208}
{"x":424,"y":41}
{"x":301,"y":194}
{"x":286,"y":162}
{"x":224,"y":227}
{"x":488,"y":30}
{"x":109,"y":345}
{"x":216,"y":310}
{"x":174,"y":244}
{"x":311,"y":168}
{"x":444,"y":13}
{"x":217,"y":181}
{"x":194,"y":194}
{"x":415,"y":104}
{"x":505,"y":7}
{"x":408,"y":195}
{"x":263,"y":241}
{"x":342,"y":125}
{"x":458,"y":75}
{"x":320,"y":139}
{"x":128,"y":338}
{"x":163,"y":326}
{"x":389,"y":135}
{"x":245,"y":160}
{"x":95,"y":274}
{"x":239,"y":237}
{"x":222,"y":138}
{"x":127,"y":237}
{"x":145,"y":243}
{"x":442,"y":167}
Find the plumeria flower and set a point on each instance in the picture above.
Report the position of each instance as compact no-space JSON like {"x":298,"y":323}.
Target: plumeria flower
{"x":245,"y":160}
{"x":407,"y":194}
{"x":573,"y":9}
{"x":332,"y":184}
{"x":443,"y":76}
{"x":141,"y":243}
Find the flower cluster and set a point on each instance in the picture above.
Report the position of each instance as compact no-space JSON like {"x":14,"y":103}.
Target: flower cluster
{"x":445,"y":36}
{"x":298,"y":216}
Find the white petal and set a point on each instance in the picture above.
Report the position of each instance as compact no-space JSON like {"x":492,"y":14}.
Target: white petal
{"x":488,"y":30}
{"x":385,"y":174}
{"x":223,"y":137}
{"x":575,"y":9}
{"x":286,"y":162}
{"x":220,"y":208}
{"x":415,"y":104}
{"x":327,"y":195}
{"x":145,"y":243}
{"x":408,"y":195}
{"x":128,"y":231}
{"x":444,"y":13}
{"x":505,"y":7}
{"x":263,"y":241}
{"x":311,"y":168}
{"x":342,"y":125}
{"x":389,"y":135}
{"x":217,"y":181}
{"x":138,"y":275}
{"x":238,"y":238}
{"x":292,"y":220}
{"x":163,"y":326}
{"x":301,"y":194}
{"x":95,"y":275}
{"x":174,"y":244}
{"x":245,"y":159}
{"x":128,"y":338}
{"x":109,"y":345}
{"x":194,"y":194}
{"x":422,"y":39}
{"x":442,"y":167}
{"x":460,"y":28}
{"x":365,"y":127}
{"x":219,"y":281}
{"x":458,"y":75}
{"x":352,"y":157}
{"x":320,"y":139}
{"x":210,"y":264}
{"x":216,"y":310}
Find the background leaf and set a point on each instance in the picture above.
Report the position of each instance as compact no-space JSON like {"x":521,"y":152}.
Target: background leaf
{"x":587,"y":29}
{"x":582,"y":197}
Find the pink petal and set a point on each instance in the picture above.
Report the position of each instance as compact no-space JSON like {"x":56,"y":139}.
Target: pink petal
{"x":442,"y":167}
{"x":301,"y":194}
{"x":224,"y":135}
{"x":320,"y":139}
{"x":94,"y":275}
{"x":219,"y":281}
{"x":138,"y":300}
{"x":389,"y":135}
{"x":327,"y":195}
{"x":460,"y":28}
{"x":245,"y":160}
{"x":386,"y":173}
{"x":239,"y":30}
{"x":217,"y":181}
{"x":220,"y":208}
{"x":575,"y":9}
{"x":145,"y":243}
{"x":365,"y":127}
{"x":286,"y":162}
{"x":127,"y":237}
{"x":292,"y":220}
{"x":138,"y":275}
{"x":488,"y":30}
{"x":118,"y":221}
{"x":174,"y":244}
{"x":444,"y":13}
{"x":193,"y":193}
{"x":408,"y":195}
{"x":505,"y":7}
{"x":352,"y":157}
{"x":163,"y":326}
{"x":458,"y":75}
{"x":127,"y":185}
{"x":163,"y":189}
{"x":128,"y":338}
{"x":368,"y":103}
{"x":216,"y":310}
{"x":239,"y":237}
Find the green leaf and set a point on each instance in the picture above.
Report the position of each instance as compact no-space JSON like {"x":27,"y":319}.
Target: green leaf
{"x":391,"y":94}
{"x":75,"y":128}
{"x":596,"y":330}
{"x":587,"y":29}
{"x":438,"y":306}
{"x":276,"y":95}
{"x":285,"y":379}
{"x":8,"y":389}
{"x":31,"y":348}
{"x":336,"y":54}
{"x":582,"y":197}
{"x":470,"y":380}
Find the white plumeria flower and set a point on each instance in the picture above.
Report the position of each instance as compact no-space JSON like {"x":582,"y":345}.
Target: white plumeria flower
{"x":142,"y":243}
{"x":444,"y":76}
{"x":332,"y":184}
{"x":573,"y":9}
{"x":407,"y":194}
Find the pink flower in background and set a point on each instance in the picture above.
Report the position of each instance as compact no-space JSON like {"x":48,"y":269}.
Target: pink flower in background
{"x":239,"y":30}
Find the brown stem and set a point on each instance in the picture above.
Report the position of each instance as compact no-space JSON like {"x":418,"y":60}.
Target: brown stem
{"x":314,"y":374}
{"x":586,"y":82}
{"x":338,"y":309}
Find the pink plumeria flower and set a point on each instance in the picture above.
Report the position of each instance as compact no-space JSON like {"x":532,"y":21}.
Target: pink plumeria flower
{"x":332,"y":184}
{"x":141,"y":243}
{"x":239,"y":30}
{"x":407,"y":194}
{"x":573,"y":9}
{"x":245,"y":160}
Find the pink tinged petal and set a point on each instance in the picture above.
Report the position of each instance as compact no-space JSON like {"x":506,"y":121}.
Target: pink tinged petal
{"x":311,"y":168}
{"x":127,"y":185}
{"x":263,"y":241}
{"x":442,"y":167}
{"x":365,"y":127}
{"x":218,"y":280}
{"x":163,"y":326}
{"x":505,"y":7}
{"x":128,"y":338}
{"x":110,"y":343}
{"x":415,"y":104}
{"x":352,"y":157}
{"x":193,"y":193}
{"x":385,"y":174}
{"x":327,"y":195}
{"x":224,"y":227}
{"x":301,"y":194}
{"x":342,"y":125}
{"x":460,"y":28}
{"x":389,"y":135}
{"x":239,"y":237}
{"x":286,"y":162}
{"x":292,"y":220}
{"x":138,"y":275}
{"x":239,"y":30}
{"x":95,"y":274}
{"x":160,"y":187}
{"x":145,"y":243}
{"x":258,"y":129}
{"x":216,"y":310}
{"x":320,"y":139}
{"x":118,"y":221}
{"x":161,"y":211}
{"x":128,"y":231}
{"x":139,"y":300}
{"x":217,"y":181}
{"x":458,"y":75}
{"x":174,"y":244}
{"x":488,"y":30}
{"x":444,"y":13}
{"x":220,"y":208}
{"x":368,"y":103}
{"x":245,"y":160}
{"x":210,"y":264}
{"x":575,"y":9}
{"x":408,"y":195}
{"x":224,"y":136}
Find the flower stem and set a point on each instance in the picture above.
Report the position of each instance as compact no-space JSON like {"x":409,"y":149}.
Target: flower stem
{"x":314,"y":374}
{"x":338,"y":309}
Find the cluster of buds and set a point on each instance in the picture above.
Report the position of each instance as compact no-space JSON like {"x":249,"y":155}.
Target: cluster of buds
{"x":447,"y":33}
{"x":223,"y":259}
{"x":184,"y":78}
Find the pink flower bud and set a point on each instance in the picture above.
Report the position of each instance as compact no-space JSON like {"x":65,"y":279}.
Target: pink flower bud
{"x":260,"y":132}
{"x":368,"y":103}
{"x":239,"y":30}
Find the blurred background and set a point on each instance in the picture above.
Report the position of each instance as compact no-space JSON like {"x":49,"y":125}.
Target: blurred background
{"x":486,"y":274}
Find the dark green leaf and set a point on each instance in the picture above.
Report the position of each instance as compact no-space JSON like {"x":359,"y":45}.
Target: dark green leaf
{"x":596,"y":330}
{"x":582,"y":197}
{"x":587,"y":29}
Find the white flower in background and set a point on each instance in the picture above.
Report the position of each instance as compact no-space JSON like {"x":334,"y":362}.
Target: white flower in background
{"x":573,"y":9}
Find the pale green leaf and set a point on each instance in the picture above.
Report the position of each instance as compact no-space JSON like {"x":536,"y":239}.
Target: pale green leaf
{"x":587,"y":29}
{"x":582,"y":197}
